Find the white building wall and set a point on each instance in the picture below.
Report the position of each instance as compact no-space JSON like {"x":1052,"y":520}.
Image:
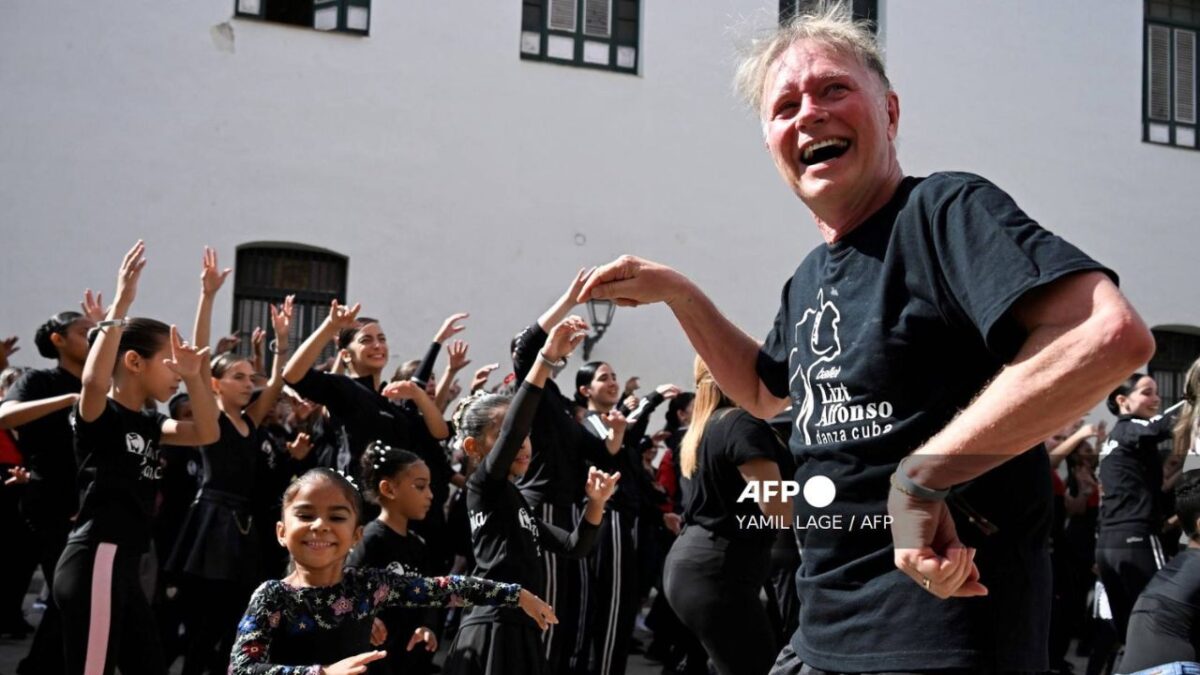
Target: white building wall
{"x":1045,"y":99}
{"x":457,"y":177}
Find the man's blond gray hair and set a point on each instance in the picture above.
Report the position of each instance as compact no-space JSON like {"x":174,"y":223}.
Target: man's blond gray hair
{"x":828,"y":22}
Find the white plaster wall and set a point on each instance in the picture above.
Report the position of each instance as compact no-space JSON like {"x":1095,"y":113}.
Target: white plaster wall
{"x":456,"y":176}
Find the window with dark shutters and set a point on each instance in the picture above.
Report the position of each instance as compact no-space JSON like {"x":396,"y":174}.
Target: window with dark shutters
{"x":601,"y":34}
{"x":861,"y":9}
{"x":1169,"y":73}
{"x":343,"y":16}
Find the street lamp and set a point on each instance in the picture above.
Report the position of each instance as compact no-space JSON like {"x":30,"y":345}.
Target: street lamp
{"x":601,"y":314}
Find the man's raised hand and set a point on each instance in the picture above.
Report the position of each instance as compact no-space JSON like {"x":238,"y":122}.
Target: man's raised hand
{"x":630,"y":281}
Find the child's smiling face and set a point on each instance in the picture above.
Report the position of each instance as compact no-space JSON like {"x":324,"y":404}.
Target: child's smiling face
{"x":320,"y":525}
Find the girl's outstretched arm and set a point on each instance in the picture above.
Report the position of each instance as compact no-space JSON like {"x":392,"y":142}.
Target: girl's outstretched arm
{"x":397,"y":589}
{"x":310,"y":350}
{"x":102,"y":357}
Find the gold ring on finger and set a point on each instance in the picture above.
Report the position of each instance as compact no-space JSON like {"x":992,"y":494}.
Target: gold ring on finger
{"x":925,"y":581}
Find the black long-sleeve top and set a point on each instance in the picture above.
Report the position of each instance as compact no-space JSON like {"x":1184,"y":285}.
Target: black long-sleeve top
{"x":636,"y":493}
{"x":366,"y":415}
{"x":425,"y":370}
{"x":562,"y":449}
{"x":1131,"y":476}
{"x":507,"y":538}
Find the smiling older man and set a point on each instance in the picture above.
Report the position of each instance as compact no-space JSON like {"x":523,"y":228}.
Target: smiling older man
{"x":935,"y":338}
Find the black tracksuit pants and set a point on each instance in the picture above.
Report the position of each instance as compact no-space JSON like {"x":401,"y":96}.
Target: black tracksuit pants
{"x":612,"y":595}
{"x":106,"y":617}
{"x":563,"y":590}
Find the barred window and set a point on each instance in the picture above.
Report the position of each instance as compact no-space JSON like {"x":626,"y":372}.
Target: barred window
{"x":586,"y":33}
{"x":343,"y":16}
{"x":266,"y":273}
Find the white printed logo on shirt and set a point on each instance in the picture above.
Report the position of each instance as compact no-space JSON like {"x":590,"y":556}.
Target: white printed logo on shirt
{"x":151,"y":467}
{"x":135,"y":443}
{"x":818,"y":346}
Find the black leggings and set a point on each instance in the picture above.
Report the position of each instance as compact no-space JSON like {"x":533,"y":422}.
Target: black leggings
{"x":106,"y":618}
{"x":713,"y":584}
{"x":1127,"y":561}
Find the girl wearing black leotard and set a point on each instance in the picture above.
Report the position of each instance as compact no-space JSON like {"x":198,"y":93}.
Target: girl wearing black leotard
{"x":216,"y":553}
{"x":507,"y":537}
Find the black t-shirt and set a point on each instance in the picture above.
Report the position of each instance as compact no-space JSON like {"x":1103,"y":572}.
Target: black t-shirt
{"x":365,"y":414}
{"x":381,"y":546}
{"x":1131,"y":476}
{"x":1163,"y":627}
{"x":881,"y":338}
{"x":384,"y":548}
{"x":47,"y":443}
{"x":506,"y":536}
{"x":231,"y":464}
{"x":731,"y":438}
{"x":119,"y":470}
{"x":562,"y":449}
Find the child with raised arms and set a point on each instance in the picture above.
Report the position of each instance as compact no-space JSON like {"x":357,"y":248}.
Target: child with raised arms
{"x":106,"y":618}
{"x":217,"y":548}
{"x":507,"y":538}
{"x":368,"y":410}
{"x":322,"y":613}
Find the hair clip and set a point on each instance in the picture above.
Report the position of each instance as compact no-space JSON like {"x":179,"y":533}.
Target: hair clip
{"x":349,"y":480}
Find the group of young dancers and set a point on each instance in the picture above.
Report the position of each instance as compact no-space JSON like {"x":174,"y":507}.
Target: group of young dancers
{"x":561,"y":510}
{"x":387,"y":437}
